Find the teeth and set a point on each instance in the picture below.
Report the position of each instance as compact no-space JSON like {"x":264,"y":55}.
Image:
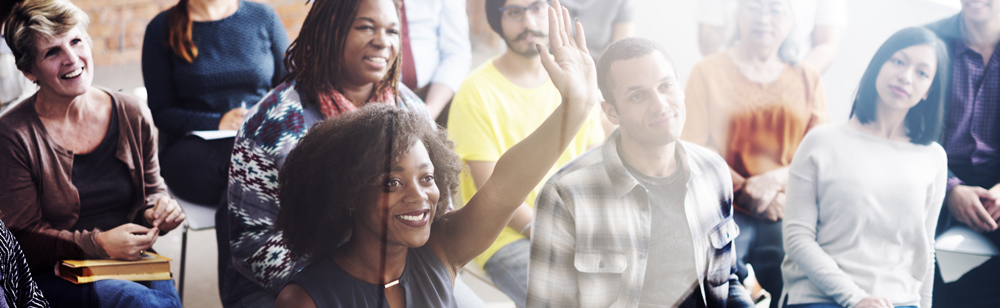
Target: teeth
{"x":378,"y":60}
{"x":412,"y":217}
{"x":73,"y":74}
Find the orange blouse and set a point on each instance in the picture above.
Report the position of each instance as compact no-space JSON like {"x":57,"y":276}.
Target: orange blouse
{"x":756,"y":127}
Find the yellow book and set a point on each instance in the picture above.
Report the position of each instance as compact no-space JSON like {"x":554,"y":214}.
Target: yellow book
{"x":150,"y":266}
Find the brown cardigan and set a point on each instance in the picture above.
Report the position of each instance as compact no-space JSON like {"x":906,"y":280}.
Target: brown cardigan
{"x":38,"y":200}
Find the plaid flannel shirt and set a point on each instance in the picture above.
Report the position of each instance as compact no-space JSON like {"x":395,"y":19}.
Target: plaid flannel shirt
{"x":591,"y":232}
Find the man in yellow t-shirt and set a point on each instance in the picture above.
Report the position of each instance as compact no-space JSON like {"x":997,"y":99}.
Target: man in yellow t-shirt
{"x":499,"y":104}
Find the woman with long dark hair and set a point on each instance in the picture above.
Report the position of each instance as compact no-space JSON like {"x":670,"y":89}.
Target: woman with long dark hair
{"x":204,"y":62}
{"x":864,"y":196}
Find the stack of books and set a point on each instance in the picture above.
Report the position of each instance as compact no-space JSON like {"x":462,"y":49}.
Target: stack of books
{"x":150,"y":266}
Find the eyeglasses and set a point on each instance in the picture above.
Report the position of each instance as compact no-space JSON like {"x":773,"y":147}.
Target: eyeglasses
{"x":761,"y":12}
{"x":516,"y":13}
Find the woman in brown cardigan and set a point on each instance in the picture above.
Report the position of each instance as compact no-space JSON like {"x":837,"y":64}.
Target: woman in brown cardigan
{"x":80,"y":178}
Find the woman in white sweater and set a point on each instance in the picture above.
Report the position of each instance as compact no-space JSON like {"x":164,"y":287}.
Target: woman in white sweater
{"x":864,"y":196}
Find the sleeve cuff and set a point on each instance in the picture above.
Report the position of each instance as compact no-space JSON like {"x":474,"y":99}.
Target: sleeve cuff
{"x":954,"y":181}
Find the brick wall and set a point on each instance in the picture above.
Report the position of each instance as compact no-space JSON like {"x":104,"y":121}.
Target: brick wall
{"x":117,"y":26}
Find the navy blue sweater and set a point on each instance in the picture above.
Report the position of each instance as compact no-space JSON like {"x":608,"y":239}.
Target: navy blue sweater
{"x":239,"y":60}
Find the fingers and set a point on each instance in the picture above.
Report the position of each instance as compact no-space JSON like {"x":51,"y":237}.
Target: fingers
{"x":567,"y":26}
{"x":145,"y":241}
{"x":993,"y":207}
{"x":547,"y":62}
{"x":764,"y":200}
{"x":176,"y":215}
{"x":161,"y":209}
{"x":982,"y":193}
{"x":555,"y":37}
{"x":581,"y":39}
{"x":134,"y":228}
{"x":983,"y":218}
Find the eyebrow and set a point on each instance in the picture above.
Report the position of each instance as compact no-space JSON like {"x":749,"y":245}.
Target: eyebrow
{"x":372,"y":21}
{"x":904,"y":55}
{"x":633,"y":88}
{"x":398,"y":168}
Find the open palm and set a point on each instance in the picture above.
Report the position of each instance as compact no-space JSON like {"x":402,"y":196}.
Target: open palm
{"x":571,"y":67}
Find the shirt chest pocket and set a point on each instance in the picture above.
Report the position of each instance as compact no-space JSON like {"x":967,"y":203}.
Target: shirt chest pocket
{"x":722,"y":256}
{"x":599,"y":276}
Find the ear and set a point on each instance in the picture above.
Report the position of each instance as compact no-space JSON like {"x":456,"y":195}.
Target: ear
{"x":611,"y":111}
{"x":30,"y":76}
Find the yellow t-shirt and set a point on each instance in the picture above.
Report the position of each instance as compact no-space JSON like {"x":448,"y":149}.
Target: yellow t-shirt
{"x":489,"y":114}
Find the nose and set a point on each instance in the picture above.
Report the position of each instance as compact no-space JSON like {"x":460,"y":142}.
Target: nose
{"x":382,"y":39}
{"x":70,"y":56}
{"x":906,"y":75}
{"x":415,"y":193}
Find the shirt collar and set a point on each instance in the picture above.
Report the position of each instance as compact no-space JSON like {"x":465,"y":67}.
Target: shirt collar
{"x":960,"y":46}
{"x":622,"y":182}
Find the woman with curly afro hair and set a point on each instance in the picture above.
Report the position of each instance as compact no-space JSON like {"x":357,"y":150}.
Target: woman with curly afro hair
{"x":363,"y":194}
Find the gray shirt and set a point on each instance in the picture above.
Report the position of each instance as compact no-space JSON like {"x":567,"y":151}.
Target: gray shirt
{"x":670,"y":277}
{"x":598,"y":18}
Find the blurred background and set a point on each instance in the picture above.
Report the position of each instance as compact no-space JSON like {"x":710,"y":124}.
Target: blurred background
{"x":117,"y":28}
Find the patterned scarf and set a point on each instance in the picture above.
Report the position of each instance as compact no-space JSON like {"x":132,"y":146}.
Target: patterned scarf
{"x":334,"y":103}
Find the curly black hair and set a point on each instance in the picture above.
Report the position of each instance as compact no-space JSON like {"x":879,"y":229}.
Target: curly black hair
{"x":341,"y":163}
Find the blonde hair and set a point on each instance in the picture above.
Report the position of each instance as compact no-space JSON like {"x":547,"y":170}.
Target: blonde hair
{"x":32,"y":19}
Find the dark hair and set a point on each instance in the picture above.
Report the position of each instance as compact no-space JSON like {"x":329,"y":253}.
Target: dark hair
{"x":342,"y":162}
{"x":624,"y":49}
{"x":923,"y":121}
{"x":493,"y":15}
{"x":315,"y":58}
{"x":179,"y":26}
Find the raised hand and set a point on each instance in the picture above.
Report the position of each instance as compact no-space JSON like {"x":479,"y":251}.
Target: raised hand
{"x":571,"y":67}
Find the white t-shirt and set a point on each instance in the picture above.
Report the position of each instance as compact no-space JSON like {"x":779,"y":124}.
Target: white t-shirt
{"x":808,"y":15}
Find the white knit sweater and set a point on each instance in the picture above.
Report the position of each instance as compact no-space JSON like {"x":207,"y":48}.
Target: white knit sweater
{"x":860,"y":218}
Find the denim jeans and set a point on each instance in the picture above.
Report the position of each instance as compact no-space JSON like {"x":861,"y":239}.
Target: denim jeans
{"x":508,"y":268}
{"x":760,"y":244}
{"x":108,"y":293}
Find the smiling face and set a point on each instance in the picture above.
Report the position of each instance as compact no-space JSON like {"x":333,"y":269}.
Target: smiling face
{"x":649,"y":101}
{"x":63,"y":64}
{"x":533,"y":28}
{"x":906,"y":77}
{"x":410,"y":197}
{"x":764,"y":22}
{"x":372,"y":43}
{"x":980,"y":10}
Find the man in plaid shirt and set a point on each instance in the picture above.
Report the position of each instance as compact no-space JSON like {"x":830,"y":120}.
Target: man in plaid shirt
{"x":646,"y":219}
